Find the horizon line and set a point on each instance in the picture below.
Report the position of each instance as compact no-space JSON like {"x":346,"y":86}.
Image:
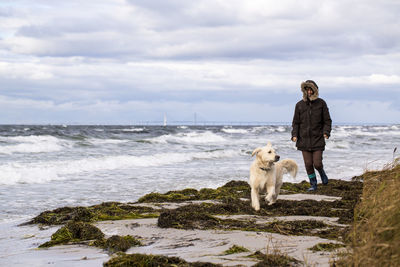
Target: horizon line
{"x":191,"y":123}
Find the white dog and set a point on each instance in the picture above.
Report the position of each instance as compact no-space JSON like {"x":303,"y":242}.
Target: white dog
{"x":266,"y":174}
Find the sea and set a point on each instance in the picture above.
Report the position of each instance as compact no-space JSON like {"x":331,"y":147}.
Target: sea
{"x":43,"y":167}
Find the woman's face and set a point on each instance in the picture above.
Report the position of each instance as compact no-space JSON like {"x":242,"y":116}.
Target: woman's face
{"x":310,"y":92}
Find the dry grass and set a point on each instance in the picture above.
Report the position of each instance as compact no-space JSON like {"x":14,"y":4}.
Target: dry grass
{"x":375,"y":236}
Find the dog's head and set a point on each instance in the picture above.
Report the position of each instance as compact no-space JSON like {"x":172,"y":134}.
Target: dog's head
{"x":266,"y":155}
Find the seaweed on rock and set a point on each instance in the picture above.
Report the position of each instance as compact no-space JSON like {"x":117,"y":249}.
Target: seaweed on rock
{"x":144,"y":260}
{"x":101,"y":212}
{"x":81,"y":232}
{"x":275,"y":259}
{"x":74,"y":232}
{"x":235,"y":249}
{"x":326,"y":247}
{"x":232,"y":199}
{"x":232,"y":189}
{"x":337,"y":188}
{"x":117,"y":243}
{"x":184,"y":219}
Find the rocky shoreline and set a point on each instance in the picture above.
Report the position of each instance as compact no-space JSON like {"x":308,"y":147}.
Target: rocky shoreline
{"x":213,"y":227}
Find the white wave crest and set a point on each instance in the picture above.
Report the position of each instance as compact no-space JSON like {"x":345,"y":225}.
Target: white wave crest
{"x":234,"y":131}
{"x":133,"y":130}
{"x":98,"y":141}
{"x":44,"y":172}
{"x":280,"y":129}
{"x":32,"y":144}
{"x":338,"y":145}
{"x":259,"y":129}
{"x":189,"y":138}
{"x":361,"y":131}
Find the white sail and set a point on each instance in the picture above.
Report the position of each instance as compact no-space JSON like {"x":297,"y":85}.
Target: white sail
{"x":165,"y":119}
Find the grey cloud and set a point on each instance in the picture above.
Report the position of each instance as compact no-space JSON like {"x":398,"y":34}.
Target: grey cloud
{"x":6,"y":11}
{"x":176,"y":14}
{"x":189,"y":30}
{"x":161,"y":6}
{"x":183,"y":56}
{"x":62,"y":26}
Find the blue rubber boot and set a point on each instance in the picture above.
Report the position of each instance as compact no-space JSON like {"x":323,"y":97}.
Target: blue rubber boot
{"x":324,"y":177}
{"x":313,"y":182}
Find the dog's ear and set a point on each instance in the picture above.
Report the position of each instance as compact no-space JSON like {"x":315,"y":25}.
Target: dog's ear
{"x":258,"y":149}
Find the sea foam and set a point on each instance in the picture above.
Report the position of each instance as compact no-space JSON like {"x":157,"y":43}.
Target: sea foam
{"x":32,"y":144}
{"x":133,"y":130}
{"x":234,"y":131}
{"x":42,"y":172}
{"x":189,"y":138}
{"x":98,"y":141}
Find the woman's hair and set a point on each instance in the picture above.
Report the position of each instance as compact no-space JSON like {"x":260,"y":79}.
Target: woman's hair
{"x":311,"y":81}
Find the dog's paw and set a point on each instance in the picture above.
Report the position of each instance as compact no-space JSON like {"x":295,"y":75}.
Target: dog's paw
{"x":270,"y":199}
{"x":256,"y":207}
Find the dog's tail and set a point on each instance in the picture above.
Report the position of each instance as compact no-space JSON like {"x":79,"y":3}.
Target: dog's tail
{"x":289,"y":166}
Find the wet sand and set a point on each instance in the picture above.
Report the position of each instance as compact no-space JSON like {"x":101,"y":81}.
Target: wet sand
{"x":201,"y":243}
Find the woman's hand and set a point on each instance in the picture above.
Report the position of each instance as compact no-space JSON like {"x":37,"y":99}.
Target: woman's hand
{"x":294,"y":138}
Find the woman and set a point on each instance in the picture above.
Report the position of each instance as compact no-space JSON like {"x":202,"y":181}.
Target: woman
{"x":310,"y":127}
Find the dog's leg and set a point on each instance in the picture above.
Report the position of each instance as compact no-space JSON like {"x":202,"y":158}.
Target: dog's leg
{"x":277,"y":191}
{"x":271,"y":194}
{"x":278,"y":185}
{"x":255,"y":202}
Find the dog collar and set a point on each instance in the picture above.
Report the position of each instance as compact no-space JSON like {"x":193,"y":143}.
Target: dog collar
{"x":265,"y":169}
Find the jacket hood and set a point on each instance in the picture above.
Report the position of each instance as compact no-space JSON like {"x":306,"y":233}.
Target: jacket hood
{"x":314,"y":86}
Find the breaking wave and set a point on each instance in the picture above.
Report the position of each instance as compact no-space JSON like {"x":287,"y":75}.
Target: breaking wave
{"x":189,"y":138}
{"x":234,"y":131}
{"x":13,"y":173}
{"x":32,"y":144}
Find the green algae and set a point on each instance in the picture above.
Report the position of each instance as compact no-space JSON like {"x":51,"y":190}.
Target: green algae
{"x":294,"y":188}
{"x":117,"y":243}
{"x":148,"y":260}
{"x":233,"y":189}
{"x":187,"y":220}
{"x":167,"y":197}
{"x":341,"y":209}
{"x":204,"y":221}
{"x":81,"y":232}
{"x":232,"y":198}
{"x":102,"y":212}
{"x":337,"y":188}
{"x":326,"y":247}
{"x":200,"y":216}
{"x":235,"y":249}
{"x":233,"y":194}
{"x":74,"y":232}
{"x":275,"y":259}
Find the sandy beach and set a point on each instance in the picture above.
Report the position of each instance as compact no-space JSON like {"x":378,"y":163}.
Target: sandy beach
{"x":279,"y":229}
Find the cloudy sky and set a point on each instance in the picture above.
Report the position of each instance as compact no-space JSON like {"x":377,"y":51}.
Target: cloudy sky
{"x":130,"y":61}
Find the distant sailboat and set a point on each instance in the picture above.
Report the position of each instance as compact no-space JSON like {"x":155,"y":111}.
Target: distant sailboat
{"x":165,"y":120}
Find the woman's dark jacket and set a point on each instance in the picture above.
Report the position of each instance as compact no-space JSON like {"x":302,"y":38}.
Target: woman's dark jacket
{"x":311,"y":121}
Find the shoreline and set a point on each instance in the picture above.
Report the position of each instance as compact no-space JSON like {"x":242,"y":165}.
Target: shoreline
{"x":201,"y":239}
